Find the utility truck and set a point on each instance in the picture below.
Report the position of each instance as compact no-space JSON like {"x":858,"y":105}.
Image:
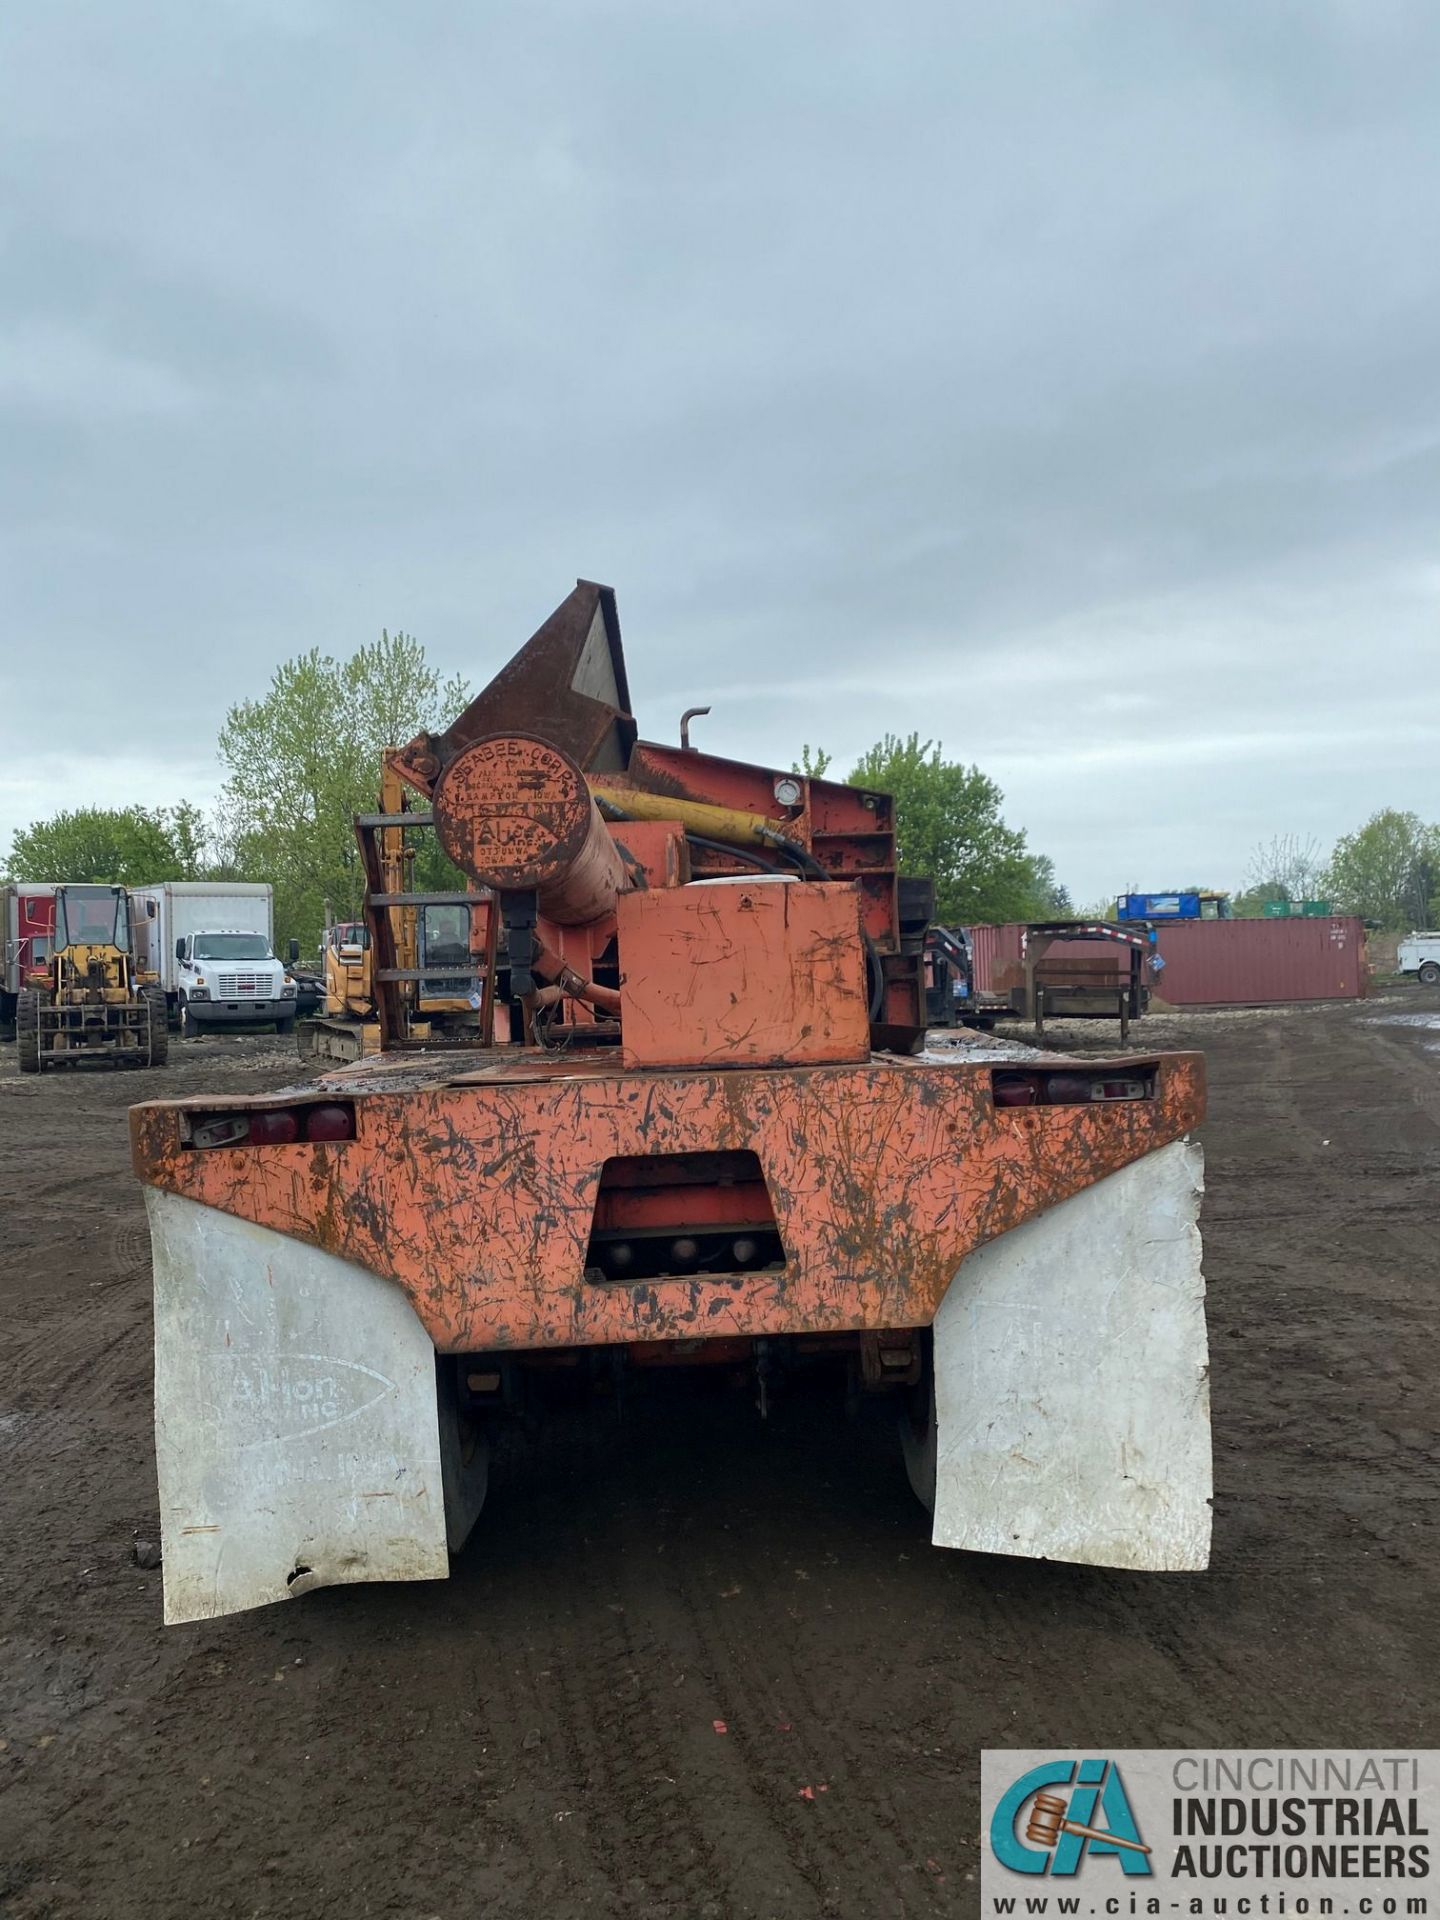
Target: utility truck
{"x":1420,"y":954}
{"x":210,"y":944}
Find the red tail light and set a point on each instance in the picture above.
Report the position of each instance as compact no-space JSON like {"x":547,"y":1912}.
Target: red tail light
{"x":1069,"y":1089}
{"x":272,"y":1126}
{"x":1016,"y":1089}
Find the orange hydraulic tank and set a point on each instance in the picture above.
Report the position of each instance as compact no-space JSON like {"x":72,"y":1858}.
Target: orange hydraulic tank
{"x":753,"y":972}
{"x":514,"y":813}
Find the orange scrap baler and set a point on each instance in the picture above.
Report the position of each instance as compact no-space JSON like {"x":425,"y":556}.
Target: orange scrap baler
{"x":715,"y":1134}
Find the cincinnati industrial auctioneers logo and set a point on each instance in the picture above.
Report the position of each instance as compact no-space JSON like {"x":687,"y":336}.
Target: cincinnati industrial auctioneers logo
{"x":1289,"y":1832}
{"x":1055,"y":1816}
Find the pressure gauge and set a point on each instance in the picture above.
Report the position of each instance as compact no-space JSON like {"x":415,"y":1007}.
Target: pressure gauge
{"x":787,"y":791}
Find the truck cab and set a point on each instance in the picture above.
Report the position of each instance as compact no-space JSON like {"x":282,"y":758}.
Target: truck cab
{"x":225,"y":978}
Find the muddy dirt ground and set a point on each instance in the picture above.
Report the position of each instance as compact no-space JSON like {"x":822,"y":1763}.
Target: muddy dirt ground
{"x":538,"y":1735}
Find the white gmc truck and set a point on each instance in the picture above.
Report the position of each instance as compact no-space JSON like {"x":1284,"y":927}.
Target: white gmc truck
{"x":1420,"y":954}
{"x":210,"y":942}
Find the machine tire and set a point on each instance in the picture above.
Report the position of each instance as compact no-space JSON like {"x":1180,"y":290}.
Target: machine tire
{"x":190,"y":1027}
{"x":919,"y":1438}
{"x":285,"y":1024}
{"x":154,"y":998}
{"x":1430,"y":974}
{"x":27,"y":1030}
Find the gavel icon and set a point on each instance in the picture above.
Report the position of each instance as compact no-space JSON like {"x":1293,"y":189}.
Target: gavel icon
{"x":1047,"y":1822}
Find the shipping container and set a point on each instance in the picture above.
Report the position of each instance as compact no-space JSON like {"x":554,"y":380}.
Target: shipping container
{"x":994,"y":949}
{"x":1259,"y":963}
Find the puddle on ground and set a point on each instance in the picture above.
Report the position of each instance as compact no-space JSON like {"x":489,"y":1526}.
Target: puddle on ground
{"x":1429,"y":1021}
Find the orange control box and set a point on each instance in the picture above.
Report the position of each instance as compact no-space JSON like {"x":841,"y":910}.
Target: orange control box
{"x":751,"y":972}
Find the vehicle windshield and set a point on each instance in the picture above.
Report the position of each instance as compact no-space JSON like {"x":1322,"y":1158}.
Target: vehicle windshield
{"x":91,"y":917}
{"x":445,"y":936}
{"x":232,"y":946}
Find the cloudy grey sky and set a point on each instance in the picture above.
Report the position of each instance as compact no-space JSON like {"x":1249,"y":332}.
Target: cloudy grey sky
{"x":1059,"y":377}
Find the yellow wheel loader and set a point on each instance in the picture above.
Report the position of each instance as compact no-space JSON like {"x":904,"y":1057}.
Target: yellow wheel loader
{"x":90,"y":1001}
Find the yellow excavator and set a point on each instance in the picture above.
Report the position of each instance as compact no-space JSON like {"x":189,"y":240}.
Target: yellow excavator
{"x":90,"y":1001}
{"x":443,"y":948}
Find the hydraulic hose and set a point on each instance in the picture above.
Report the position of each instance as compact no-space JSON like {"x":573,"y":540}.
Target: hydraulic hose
{"x":548,"y":966}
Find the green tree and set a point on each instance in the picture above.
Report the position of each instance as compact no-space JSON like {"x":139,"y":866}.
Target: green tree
{"x":949,"y":826}
{"x":1387,"y":871}
{"x":303,"y":760}
{"x":1048,"y":899}
{"x":813,"y":762}
{"x":124,"y":846}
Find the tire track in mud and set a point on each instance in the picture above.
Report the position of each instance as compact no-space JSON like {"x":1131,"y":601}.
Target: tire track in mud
{"x":593,"y":1687}
{"x":88,"y":1363}
{"x":637,"y":1583}
{"x":634,"y":1823}
{"x":622,"y":1684}
{"x":820,"y":1825}
{"x":838,"y":1836}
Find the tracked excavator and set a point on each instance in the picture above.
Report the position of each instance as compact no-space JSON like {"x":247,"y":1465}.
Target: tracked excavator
{"x":697,"y":1124}
{"x":436,"y":945}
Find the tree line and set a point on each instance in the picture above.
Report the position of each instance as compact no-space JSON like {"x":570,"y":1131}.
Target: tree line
{"x":300,"y":761}
{"x":1387,"y":871}
{"x":304,"y":758}
{"x":950,"y":828}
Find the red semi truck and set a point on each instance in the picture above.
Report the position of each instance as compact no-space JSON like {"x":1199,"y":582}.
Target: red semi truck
{"x":27,"y":921}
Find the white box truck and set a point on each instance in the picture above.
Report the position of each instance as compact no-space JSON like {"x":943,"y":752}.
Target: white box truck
{"x":1420,"y":954}
{"x":210,"y":943}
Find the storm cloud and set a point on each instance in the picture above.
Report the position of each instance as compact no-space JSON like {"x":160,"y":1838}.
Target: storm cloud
{"x":1060,"y":379}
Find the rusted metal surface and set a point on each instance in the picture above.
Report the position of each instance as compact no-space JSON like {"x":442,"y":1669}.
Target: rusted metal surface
{"x":848,"y":832}
{"x":479,"y":1198}
{"x":514,"y":812}
{"x":567,"y":685}
{"x":655,"y":848}
{"x":569,"y":675}
{"x":743,"y":973}
{"x":1250,"y":963}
